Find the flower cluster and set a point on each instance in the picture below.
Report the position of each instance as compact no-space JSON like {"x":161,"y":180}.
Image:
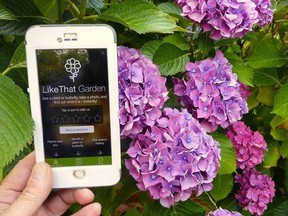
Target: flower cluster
{"x":250,"y":145}
{"x":255,"y":192}
{"x":227,"y":18}
{"x":142,"y":91}
{"x":211,"y":92}
{"x":174,"y":158}
{"x":265,"y":12}
{"x":223,"y":212}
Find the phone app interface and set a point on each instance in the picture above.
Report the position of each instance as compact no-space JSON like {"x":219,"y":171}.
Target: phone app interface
{"x":75,"y":106}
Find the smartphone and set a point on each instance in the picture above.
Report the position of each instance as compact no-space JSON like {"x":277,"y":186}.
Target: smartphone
{"x":73,"y":88}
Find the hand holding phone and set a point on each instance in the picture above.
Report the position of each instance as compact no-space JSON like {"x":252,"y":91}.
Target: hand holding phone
{"x":73,"y":87}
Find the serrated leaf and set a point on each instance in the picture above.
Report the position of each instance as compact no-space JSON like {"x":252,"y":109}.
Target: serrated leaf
{"x":95,"y":4}
{"x":18,"y":59}
{"x":169,"y":8}
{"x":281,"y":102}
{"x":16,"y":125}
{"x":182,"y":209}
{"x":266,"y":95}
{"x":267,"y":55}
{"x":140,"y":16}
{"x":284,"y":149}
{"x":27,"y":12}
{"x":279,"y":127}
{"x":243,"y":71}
{"x":177,"y":40}
{"x":6,"y":14}
{"x":265,"y":77}
{"x":50,"y":9}
{"x":222,"y":186}
{"x":150,"y":48}
{"x":278,"y":208}
{"x":228,"y":154}
{"x":271,"y":157}
{"x":170,"y":59}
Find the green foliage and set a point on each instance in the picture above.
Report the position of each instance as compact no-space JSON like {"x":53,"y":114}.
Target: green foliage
{"x":15,"y":122}
{"x":228,"y":154}
{"x":156,"y":27}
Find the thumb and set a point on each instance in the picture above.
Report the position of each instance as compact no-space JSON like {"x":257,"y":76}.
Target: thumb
{"x":37,"y":190}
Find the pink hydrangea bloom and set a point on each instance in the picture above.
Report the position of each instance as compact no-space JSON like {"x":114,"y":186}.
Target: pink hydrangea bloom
{"x":142,"y":91}
{"x":223,"y":212}
{"x":250,"y":145}
{"x":174,"y":158}
{"x":211,"y":92}
{"x":255,"y":192}
{"x":227,"y":18}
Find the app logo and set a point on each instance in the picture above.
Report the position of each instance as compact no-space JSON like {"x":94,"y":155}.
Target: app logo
{"x":73,"y":66}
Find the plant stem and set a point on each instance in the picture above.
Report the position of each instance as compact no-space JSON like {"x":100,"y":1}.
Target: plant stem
{"x":83,"y":18}
{"x":211,"y":199}
{"x":74,"y":8}
{"x":83,"y":9}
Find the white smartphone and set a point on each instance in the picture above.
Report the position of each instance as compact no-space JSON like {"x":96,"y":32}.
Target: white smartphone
{"x":73,"y":87}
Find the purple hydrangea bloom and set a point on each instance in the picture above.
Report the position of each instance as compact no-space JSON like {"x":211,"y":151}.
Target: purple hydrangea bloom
{"x":224,"y":18}
{"x":223,"y":212}
{"x":255,"y":192}
{"x":174,"y":158}
{"x":265,"y":12}
{"x":211,"y":92}
{"x":142,"y":91}
{"x":250,"y":145}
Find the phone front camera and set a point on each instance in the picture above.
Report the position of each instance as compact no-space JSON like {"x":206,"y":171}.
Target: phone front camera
{"x":59,"y":39}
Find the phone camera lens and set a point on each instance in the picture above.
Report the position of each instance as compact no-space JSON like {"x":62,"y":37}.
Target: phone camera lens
{"x":59,"y":39}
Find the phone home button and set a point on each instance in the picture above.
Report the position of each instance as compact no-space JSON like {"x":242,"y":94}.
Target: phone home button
{"x":79,"y":174}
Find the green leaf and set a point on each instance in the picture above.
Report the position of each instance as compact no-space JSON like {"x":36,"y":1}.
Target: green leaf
{"x":266,"y":55}
{"x":279,"y":127}
{"x":279,"y":207}
{"x":18,"y":59}
{"x":170,"y":8}
{"x":284,"y":149}
{"x":95,"y":4}
{"x":28,"y":15}
{"x":243,"y":71}
{"x":140,"y":16}
{"x":265,"y":77}
{"x":205,"y":43}
{"x":182,"y":209}
{"x":16,"y":125}
{"x":222,"y":186}
{"x":228,"y":154}
{"x":281,"y":102}
{"x":6,"y":14}
{"x":177,"y":40}
{"x":266,"y":95}
{"x":271,"y":157}
{"x":50,"y":9}
{"x":150,"y":48}
{"x":170,"y":59}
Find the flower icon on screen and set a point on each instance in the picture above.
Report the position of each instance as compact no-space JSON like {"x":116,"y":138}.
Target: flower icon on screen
{"x":73,"y":66}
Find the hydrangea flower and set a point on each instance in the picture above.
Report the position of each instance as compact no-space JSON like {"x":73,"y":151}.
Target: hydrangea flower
{"x":227,"y":18}
{"x":250,"y":145}
{"x":265,"y":12}
{"x":211,"y":92}
{"x":255,"y":192}
{"x":174,"y":158}
{"x":142,"y":91}
{"x":244,"y":91}
{"x":223,"y":212}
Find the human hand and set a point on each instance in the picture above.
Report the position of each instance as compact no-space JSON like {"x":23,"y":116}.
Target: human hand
{"x":26,"y":191}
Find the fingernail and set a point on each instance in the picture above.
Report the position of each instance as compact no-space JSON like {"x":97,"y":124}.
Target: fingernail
{"x":39,"y":171}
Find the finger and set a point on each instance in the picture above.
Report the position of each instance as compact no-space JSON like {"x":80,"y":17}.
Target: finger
{"x":93,"y":209}
{"x":15,"y":181}
{"x":59,"y":202}
{"x":35,"y":192}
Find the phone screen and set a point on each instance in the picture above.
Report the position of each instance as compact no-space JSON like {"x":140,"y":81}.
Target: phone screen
{"x":74,"y":97}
